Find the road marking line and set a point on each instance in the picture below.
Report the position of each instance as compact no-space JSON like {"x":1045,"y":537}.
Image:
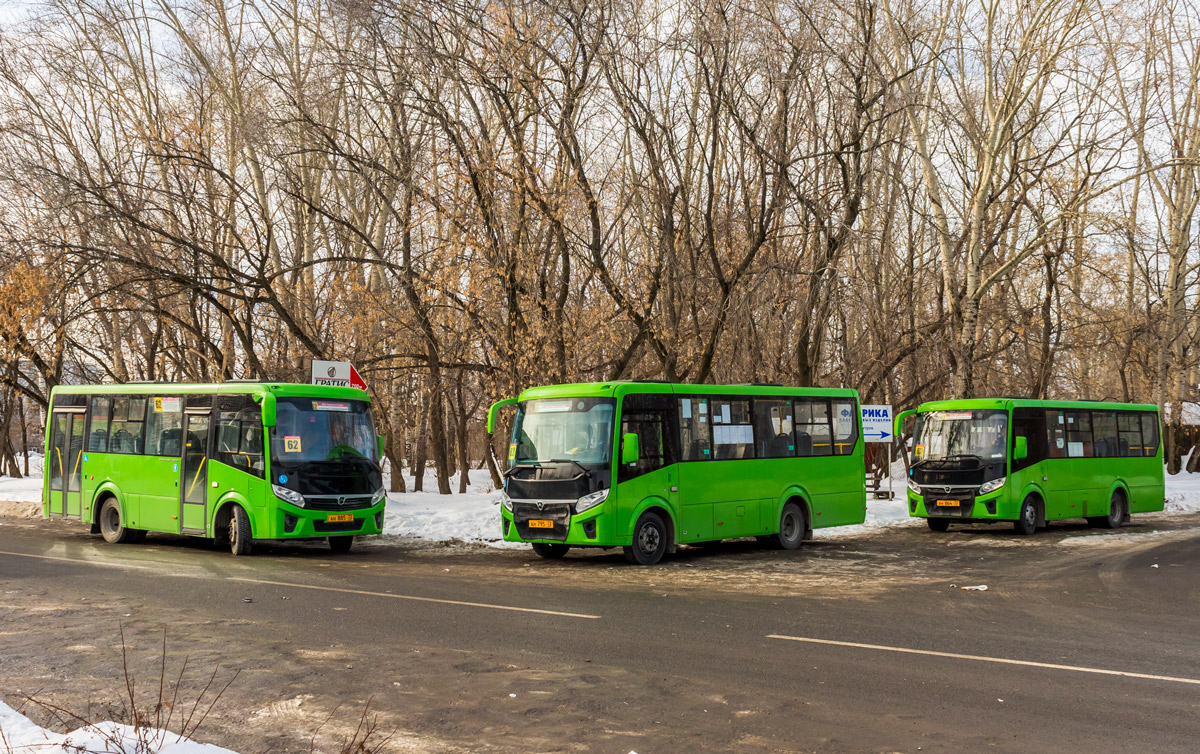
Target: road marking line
{"x":416,"y":599}
{"x":102,"y":563}
{"x":980,"y":658}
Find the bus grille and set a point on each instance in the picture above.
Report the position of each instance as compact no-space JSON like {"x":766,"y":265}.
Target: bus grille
{"x":964,"y":509}
{"x":559,"y":514}
{"x":336,"y":502}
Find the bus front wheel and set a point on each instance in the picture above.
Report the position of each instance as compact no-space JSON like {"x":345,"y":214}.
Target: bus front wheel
{"x":241,"y":541}
{"x":649,"y":540}
{"x":549,"y":550}
{"x":112,"y":524}
{"x":1026,"y":522}
{"x":1116,"y":514}
{"x":341,"y":544}
{"x":938,"y":524}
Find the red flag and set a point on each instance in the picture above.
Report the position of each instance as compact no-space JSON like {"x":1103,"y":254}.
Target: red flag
{"x":356,"y":380}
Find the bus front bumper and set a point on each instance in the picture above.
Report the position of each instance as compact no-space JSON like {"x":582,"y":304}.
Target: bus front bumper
{"x":989,"y":507}
{"x":575,"y":529}
{"x":292,"y":522}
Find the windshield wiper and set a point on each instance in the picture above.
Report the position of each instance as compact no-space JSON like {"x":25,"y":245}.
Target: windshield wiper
{"x":586,"y":471}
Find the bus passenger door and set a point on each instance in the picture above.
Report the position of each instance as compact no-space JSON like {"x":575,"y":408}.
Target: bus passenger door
{"x":193,"y":479}
{"x":656,"y":473}
{"x":56,"y":461}
{"x":73,"y":506}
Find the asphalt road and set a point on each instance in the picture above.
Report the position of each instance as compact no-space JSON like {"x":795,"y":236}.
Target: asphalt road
{"x":1083,"y":642}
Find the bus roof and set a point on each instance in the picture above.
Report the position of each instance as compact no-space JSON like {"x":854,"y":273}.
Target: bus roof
{"x":625,"y":387}
{"x":1010,"y":403}
{"x":278,"y":389}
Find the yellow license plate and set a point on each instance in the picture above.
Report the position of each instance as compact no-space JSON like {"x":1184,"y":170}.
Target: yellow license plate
{"x":540,"y":523}
{"x":946,"y":503}
{"x":336,"y":517}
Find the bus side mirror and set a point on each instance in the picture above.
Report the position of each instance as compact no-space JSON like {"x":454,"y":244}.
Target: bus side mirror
{"x":268,"y":411}
{"x":380,"y":457}
{"x":629,"y":448}
{"x":1021,"y":451}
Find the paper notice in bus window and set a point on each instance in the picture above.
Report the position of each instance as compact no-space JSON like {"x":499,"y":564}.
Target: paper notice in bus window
{"x":725,"y":413}
{"x":704,"y":407}
{"x":512,"y":452}
{"x":919,"y":451}
{"x":167,"y":404}
{"x":1075,"y":450}
{"x":331,"y":406}
{"x":685,"y":408}
{"x":291,"y":444}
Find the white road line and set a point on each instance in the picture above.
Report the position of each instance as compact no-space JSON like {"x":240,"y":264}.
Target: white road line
{"x":417,"y":599}
{"x":980,"y":658}
{"x":101,"y":563}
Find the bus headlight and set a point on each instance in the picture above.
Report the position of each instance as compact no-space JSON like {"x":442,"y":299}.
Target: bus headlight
{"x":914,"y":486}
{"x":379,"y":495}
{"x":506,"y":501}
{"x":288,"y":496}
{"x":991,"y":486}
{"x":587,"y":502}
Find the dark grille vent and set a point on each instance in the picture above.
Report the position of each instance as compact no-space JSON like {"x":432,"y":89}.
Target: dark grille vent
{"x":338,"y":503}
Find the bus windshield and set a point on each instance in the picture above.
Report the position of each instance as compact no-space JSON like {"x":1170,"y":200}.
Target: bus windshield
{"x":974,"y":437}
{"x":570,"y":430}
{"x":312,"y":429}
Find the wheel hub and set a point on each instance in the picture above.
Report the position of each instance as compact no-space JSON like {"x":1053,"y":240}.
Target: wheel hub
{"x":648,"y":539}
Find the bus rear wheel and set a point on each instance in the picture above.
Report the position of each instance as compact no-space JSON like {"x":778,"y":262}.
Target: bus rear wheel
{"x":938,"y":524}
{"x":341,"y":544}
{"x":241,"y":541}
{"x":1116,"y":514}
{"x":112,"y":524}
{"x":550,"y":551}
{"x":1026,"y":523}
{"x":791,"y":529}
{"x":649,"y":540}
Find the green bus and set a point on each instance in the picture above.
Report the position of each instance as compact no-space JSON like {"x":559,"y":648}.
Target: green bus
{"x":1029,"y":462}
{"x":649,"y":465}
{"x":235,"y":461}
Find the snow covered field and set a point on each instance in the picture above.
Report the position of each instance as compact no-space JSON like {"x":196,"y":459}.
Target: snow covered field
{"x":474,"y":516}
{"x":19,"y":735}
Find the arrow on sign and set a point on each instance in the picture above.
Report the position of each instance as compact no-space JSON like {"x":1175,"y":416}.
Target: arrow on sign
{"x":881,"y":435}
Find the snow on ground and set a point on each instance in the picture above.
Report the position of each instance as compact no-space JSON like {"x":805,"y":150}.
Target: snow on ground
{"x":19,"y":735}
{"x":27,"y":489}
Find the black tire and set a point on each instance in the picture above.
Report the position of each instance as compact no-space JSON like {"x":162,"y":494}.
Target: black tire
{"x":1026,"y":523}
{"x":241,"y":540}
{"x":791,"y":528}
{"x":1116,"y":513}
{"x":341,"y":544}
{"x":550,"y":550}
{"x":938,"y":524}
{"x":112,"y":524}
{"x":649,"y":540}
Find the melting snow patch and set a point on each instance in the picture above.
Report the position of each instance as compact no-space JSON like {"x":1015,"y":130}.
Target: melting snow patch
{"x":21,"y":735}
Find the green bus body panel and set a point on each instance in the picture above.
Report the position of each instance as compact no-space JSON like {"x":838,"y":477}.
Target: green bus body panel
{"x":717,"y":499}
{"x":1072,"y":487}
{"x":147,"y":487}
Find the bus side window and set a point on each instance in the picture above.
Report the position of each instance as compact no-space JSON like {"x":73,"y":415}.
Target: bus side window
{"x":814,"y":436}
{"x":695,"y":432}
{"x":240,"y":435}
{"x":1056,"y":434}
{"x":773,"y":434}
{"x":1150,"y":433}
{"x":652,"y":418}
{"x":845,"y":426}
{"x":1104,"y":426}
{"x":1130,"y":439}
{"x":100,"y":411}
{"x":164,"y":428}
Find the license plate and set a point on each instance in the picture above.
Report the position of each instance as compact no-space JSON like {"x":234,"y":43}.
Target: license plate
{"x":336,"y":517}
{"x":946,"y":503}
{"x":540,"y":523}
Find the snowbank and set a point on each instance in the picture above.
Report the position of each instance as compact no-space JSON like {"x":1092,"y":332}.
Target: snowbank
{"x":21,"y":736}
